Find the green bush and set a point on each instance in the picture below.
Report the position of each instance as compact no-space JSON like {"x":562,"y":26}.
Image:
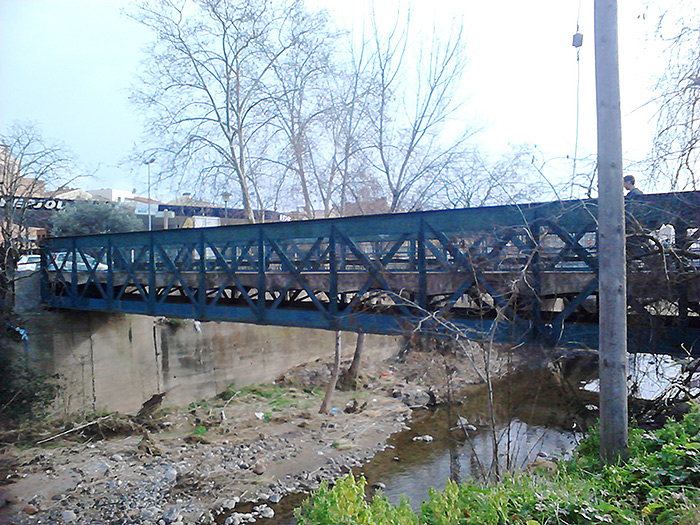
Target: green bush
{"x":660,"y":484}
{"x":662,"y":477}
{"x":345,"y":504}
{"x":25,"y":392}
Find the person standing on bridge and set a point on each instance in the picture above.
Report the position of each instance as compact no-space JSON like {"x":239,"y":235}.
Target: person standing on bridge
{"x":628,"y":183}
{"x":637,"y":243}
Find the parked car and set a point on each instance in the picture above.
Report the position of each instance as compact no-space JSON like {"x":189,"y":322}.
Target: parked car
{"x":29,"y":263}
{"x":63,"y":261}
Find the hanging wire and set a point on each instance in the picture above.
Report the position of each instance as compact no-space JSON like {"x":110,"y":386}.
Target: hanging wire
{"x":577,"y":43}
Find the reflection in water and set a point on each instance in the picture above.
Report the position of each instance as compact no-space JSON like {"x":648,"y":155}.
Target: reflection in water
{"x":523,"y":442}
{"x":650,"y":375}
{"x":536,"y":414}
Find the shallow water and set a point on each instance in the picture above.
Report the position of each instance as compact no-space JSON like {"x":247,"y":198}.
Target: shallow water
{"x":536,"y":414}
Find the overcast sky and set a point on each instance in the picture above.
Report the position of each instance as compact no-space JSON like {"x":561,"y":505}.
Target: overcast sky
{"x":67,"y":66}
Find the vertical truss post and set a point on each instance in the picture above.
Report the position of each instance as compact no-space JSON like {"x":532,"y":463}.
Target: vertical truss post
{"x":45,"y":286}
{"x":682,"y":243}
{"x":333,"y":278}
{"x":202,"y":278}
{"x":422,"y":272}
{"x":536,"y":232}
{"x":74,"y":271}
{"x":110,"y":275}
{"x":261,"y":274}
{"x":151,"y":274}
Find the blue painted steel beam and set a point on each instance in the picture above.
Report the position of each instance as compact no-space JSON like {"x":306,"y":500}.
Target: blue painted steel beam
{"x":340,"y":273}
{"x":672,"y":341}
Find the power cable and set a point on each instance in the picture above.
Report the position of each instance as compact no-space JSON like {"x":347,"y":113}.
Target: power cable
{"x":577,"y":43}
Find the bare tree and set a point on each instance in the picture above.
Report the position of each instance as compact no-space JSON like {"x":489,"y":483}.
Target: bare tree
{"x":414,"y":103}
{"x":348,"y":125}
{"x":207,"y":86}
{"x":677,"y":144}
{"x":29,"y":166}
{"x":471,"y":180}
{"x":299,"y":103}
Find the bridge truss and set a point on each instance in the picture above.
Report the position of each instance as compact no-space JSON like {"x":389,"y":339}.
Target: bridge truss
{"x":509,"y":273}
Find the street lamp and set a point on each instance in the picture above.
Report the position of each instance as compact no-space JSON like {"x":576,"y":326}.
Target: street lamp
{"x":226,"y":196}
{"x":148,"y":163}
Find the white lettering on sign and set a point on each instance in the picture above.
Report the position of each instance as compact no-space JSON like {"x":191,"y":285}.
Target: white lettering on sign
{"x":32,"y":203}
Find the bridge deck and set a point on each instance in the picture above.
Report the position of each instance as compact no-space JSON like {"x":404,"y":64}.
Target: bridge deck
{"x":516,"y":273}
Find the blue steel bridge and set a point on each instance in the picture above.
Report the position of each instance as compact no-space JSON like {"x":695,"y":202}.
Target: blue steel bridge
{"x":517,"y":274}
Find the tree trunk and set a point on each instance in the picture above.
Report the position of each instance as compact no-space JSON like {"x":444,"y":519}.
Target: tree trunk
{"x":354,"y":369}
{"x":334,"y":375}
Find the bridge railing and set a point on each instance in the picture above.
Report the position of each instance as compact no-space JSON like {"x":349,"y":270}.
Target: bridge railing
{"x":536,"y":264}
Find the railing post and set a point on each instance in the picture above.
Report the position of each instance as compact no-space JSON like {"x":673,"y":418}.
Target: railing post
{"x":202,"y":280}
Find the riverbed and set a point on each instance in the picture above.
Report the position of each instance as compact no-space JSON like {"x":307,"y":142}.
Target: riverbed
{"x":538,"y":414}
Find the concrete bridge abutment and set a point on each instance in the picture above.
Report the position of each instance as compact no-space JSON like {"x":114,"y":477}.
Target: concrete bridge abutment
{"x":114,"y":362}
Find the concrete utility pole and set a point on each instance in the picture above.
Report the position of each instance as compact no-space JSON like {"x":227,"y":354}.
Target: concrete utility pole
{"x":611,"y":230}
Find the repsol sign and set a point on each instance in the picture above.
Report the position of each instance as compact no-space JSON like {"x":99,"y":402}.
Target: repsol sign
{"x":32,"y":203}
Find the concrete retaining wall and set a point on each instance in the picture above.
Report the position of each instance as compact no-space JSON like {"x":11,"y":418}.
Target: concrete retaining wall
{"x":115,"y":362}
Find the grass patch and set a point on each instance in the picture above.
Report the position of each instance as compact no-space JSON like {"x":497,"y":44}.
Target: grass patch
{"x":276,"y":396}
{"x":229,"y":393}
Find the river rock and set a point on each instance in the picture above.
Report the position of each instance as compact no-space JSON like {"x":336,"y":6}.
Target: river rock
{"x":464,"y":424}
{"x":97,"y":469}
{"x":172,"y":514}
{"x":68,"y":516}
{"x":230,"y":503}
{"x":259,"y":467}
{"x":264,"y":511}
{"x":170,"y":474}
{"x":149,"y":513}
{"x":238,"y":518}
{"x":415,"y":396}
{"x":542,"y":464}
